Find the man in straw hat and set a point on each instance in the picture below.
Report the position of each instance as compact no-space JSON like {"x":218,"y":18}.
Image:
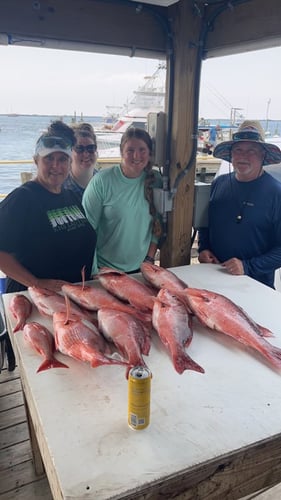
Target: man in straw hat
{"x":244,"y":233}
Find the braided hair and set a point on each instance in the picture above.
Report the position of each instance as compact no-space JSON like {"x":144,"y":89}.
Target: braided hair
{"x":139,"y":133}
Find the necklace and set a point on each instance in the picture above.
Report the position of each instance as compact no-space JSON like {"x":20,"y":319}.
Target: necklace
{"x":241,"y":188}
{"x":240,"y":215}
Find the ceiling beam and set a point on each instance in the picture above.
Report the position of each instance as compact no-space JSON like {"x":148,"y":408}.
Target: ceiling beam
{"x":242,"y":27}
{"x":105,"y":26}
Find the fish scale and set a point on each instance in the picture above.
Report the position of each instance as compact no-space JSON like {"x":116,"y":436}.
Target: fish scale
{"x":127,"y":288}
{"x":81,"y":340}
{"x":160,"y":277}
{"x":219,"y":313}
{"x":42,"y":341}
{"x":127,"y":333}
{"x":173,"y":325}
{"x":21,"y":308}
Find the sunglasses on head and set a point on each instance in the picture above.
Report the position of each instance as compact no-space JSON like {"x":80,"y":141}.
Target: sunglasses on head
{"x":53,"y":141}
{"x":247,"y":135}
{"x":91,"y":148}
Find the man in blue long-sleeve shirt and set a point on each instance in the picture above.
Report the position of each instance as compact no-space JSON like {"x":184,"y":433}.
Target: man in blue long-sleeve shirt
{"x":244,"y":232}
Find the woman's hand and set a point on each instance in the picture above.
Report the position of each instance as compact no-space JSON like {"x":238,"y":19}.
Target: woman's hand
{"x":53,"y":285}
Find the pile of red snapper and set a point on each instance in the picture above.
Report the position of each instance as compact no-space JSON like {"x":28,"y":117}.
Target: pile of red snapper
{"x":113,"y":324}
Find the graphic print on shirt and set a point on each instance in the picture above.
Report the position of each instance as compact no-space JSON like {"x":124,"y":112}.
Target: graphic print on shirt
{"x":66,"y":219}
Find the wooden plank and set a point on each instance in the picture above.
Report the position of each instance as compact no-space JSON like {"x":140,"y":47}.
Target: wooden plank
{"x":248,"y":26}
{"x":177,"y":247}
{"x":12,"y":417}
{"x":13,"y":435}
{"x":36,"y":454}
{"x":255,"y":496}
{"x":33,"y":491}
{"x":11,"y":401}
{"x":15,"y":454}
{"x":5,"y":375}
{"x":120,"y":32}
{"x":10,"y":387}
{"x":16,"y":476}
{"x":270,"y":494}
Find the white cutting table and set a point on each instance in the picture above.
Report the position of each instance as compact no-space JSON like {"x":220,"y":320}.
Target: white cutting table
{"x":212,"y":435}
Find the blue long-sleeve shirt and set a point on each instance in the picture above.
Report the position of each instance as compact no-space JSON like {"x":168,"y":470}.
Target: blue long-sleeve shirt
{"x":245,"y":222}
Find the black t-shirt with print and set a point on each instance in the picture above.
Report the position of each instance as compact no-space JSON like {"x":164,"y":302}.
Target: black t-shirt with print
{"x":47,"y":233}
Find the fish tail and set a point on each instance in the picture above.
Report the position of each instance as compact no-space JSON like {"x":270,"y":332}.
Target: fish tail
{"x":19,"y":326}
{"x":184,"y":362}
{"x":51,"y":363}
{"x":146,"y":345}
{"x":273,"y":354}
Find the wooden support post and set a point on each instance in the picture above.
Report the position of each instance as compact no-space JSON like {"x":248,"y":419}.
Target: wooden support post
{"x":177,"y":248}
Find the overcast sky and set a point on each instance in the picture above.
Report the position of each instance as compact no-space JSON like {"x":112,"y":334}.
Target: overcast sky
{"x":46,"y":81}
{"x":251,"y":81}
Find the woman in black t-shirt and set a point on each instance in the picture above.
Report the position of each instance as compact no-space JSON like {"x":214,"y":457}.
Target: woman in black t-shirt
{"x":45,"y":238}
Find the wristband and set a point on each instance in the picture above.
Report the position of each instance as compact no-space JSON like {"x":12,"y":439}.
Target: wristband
{"x":149,"y":259}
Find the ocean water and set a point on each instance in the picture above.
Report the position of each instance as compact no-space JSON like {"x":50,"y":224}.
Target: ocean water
{"x":19,"y":133}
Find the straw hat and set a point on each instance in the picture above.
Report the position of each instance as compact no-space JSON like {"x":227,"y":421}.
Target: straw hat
{"x":250,"y":131}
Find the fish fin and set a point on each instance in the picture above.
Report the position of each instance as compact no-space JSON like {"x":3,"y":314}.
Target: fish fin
{"x":19,"y":326}
{"x":265,"y":332}
{"x":145,"y":317}
{"x":275,"y":356}
{"x":182,"y":296}
{"x":104,"y":360}
{"x":51,"y":363}
{"x":190,"y":326}
{"x":145,"y":349}
{"x":184,"y":362}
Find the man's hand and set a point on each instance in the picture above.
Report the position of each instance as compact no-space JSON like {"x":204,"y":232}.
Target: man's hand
{"x":234,"y":266}
{"x":207,"y":257}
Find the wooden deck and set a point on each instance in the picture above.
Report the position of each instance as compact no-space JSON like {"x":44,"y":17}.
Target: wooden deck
{"x":17,"y":476}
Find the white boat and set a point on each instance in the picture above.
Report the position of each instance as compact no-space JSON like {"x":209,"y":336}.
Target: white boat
{"x":148,"y":98}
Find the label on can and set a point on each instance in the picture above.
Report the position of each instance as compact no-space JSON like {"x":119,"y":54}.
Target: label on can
{"x":139,"y":384}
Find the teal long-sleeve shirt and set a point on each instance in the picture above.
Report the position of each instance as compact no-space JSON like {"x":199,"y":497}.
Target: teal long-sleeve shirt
{"x":117,"y":209}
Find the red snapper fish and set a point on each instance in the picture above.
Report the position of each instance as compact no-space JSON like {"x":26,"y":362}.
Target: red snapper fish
{"x":48,"y":302}
{"x":21,"y":308}
{"x":81,"y":340}
{"x":159,"y":277}
{"x":173,"y":325}
{"x":127,"y":288}
{"x":42,"y":341}
{"x":93,"y":299}
{"x":219,"y":313}
{"x":129,"y":334}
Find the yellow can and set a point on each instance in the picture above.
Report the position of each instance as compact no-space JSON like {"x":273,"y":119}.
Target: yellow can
{"x":139,"y":385}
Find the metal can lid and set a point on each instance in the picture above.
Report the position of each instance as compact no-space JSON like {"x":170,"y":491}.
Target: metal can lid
{"x":140,"y":372}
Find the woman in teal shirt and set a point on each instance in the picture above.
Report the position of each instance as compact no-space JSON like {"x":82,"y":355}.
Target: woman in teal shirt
{"x":119,"y":205}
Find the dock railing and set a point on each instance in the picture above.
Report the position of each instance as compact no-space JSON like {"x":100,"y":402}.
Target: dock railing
{"x":206,"y":168}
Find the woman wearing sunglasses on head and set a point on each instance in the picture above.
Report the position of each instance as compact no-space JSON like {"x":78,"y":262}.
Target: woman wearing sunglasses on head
{"x":45,"y":238}
{"x":84,"y":157}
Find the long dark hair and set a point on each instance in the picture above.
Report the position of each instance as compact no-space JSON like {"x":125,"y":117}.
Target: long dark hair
{"x":139,"y":133}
